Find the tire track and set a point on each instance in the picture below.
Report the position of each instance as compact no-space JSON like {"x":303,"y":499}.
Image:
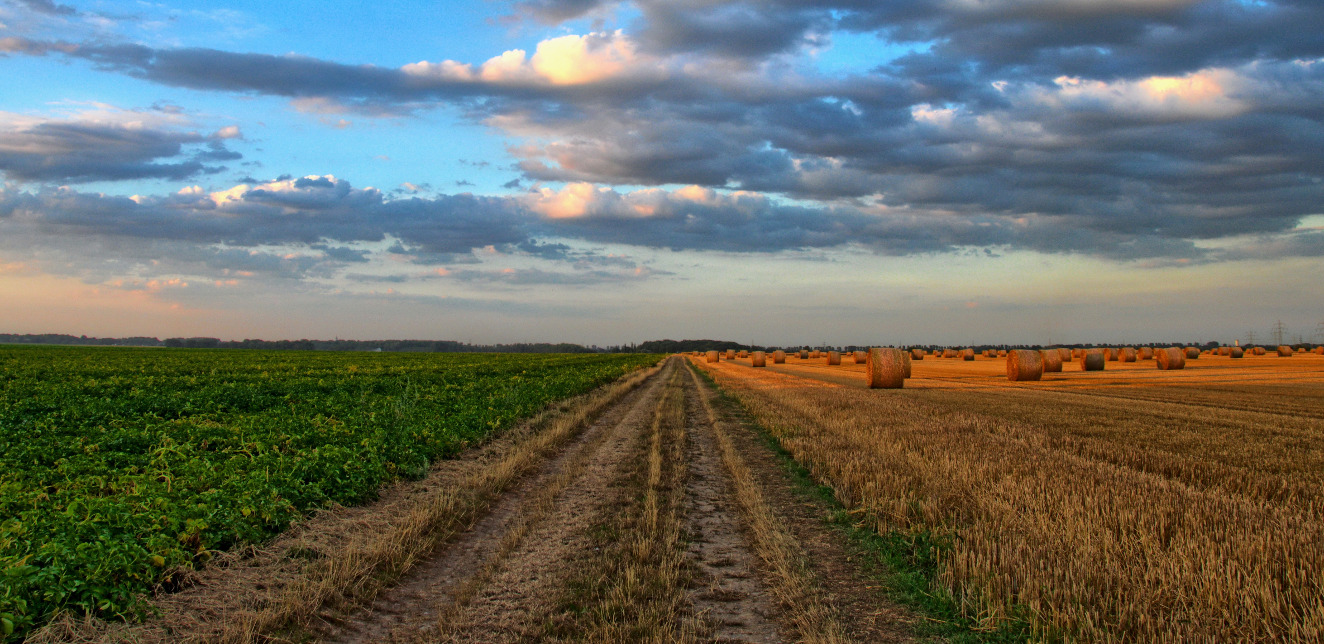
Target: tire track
{"x":731,"y":596}
{"x":437,"y":591}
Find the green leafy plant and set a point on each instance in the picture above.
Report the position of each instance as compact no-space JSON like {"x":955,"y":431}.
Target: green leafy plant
{"x":118,"y":466}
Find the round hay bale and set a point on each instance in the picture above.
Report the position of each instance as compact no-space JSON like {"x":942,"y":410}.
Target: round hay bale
{"x":1192,"y":353}
{"x":833,"y":358}
{"x":1235,"y":352}
{"x":1126,"y":354}
{"x":1319,"y":351}
{"x":1065,"y":354}
{"x":1023,"y":365}
{"x":1170,"y":358}
{"x":949,"y":353}
{"x":1146,"y":353}
{"x":1002,"y":353}
{"x":905,"y":363}
{"x":968,"y":355}
{"x":1051,"y":358}
{"x":743,"y":354}
{"x":1110,"y":354}
{"x":1284,"y":351}
{"x":885,"y":369}
{"x":918,"y":354}
{"x":860,"y":357}
{"x":778,"y":357}
{"x":730,"y":354}
{"x":804,"y":354}
{"x":758,"y":359}
{"x":1091,"y":360}
{"x":1076,"y":353}
{"x":712,"y":356}
{"x":1259,"y":351}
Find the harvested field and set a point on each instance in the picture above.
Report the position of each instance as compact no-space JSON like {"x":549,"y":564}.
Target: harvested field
{"x":1126,"y":504}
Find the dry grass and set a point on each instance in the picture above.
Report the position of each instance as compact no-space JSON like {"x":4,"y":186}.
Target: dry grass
{"x":1134,"y":504}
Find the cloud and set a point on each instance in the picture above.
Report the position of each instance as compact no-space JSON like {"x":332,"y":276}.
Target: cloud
{"x":319,"y":229}
{"x":1126,"y":129}
{"x":520,"y":277}
{"x":105,"y":144}
{"x":228,"y":132}
{"x":48,"y":7}
{"x":565,"y":61}
{"x":748,"y":29}
{"x":556,"y":11}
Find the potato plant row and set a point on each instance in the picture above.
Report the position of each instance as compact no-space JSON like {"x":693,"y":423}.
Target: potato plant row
{"x":121,"y":467}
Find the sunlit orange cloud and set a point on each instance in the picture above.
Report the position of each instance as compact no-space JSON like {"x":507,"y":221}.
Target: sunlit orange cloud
{"x":1207,"y":93}
{"x":563,"y":60}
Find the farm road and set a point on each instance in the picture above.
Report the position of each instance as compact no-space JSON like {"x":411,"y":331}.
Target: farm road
{"x":637,"y":529}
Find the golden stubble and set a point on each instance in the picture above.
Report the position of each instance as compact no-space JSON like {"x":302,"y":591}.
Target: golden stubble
{"x":1182,"y":506}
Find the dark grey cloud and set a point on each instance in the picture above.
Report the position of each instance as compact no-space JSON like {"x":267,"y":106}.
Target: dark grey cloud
{"x":1098,"y":39}
{"x":47,"y":7}
{"x":320,"y":213}
{"x":555,"y":11}
{"x":72,"y":151}
{"x":749,"y":29}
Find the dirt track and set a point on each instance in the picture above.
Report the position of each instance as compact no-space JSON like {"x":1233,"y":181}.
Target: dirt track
{"x":557,"y":556}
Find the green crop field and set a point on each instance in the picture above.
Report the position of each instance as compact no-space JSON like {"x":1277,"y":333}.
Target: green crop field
{"x":118,"y":465}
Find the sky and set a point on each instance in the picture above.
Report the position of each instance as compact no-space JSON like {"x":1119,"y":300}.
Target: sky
{"x":596,"y":171}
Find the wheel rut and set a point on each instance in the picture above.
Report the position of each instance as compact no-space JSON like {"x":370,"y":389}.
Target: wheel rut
{"x":730,"y":594}
{"x":436,"y":589}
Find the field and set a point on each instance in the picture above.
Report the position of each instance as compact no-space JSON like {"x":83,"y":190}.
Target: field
{"x":232,"y":496}
{"x":1127,"y":504}
{"x":119,"y":468}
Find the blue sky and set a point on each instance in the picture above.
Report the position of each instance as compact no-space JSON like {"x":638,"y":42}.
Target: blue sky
{"x":771,"y":171}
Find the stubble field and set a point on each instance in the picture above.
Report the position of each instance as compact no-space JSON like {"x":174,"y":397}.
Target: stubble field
{"x":1127,"y":504}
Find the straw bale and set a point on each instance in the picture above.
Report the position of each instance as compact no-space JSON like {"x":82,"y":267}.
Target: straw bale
{"x":1051,"y":359}
{"x":1023,"y":365}
{"x":1091,"y":360}
{"x":1170,"y":358}
{"x":884,"y":369}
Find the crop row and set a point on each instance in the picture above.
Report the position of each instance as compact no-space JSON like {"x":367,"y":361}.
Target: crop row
{"x":119,"y":466}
